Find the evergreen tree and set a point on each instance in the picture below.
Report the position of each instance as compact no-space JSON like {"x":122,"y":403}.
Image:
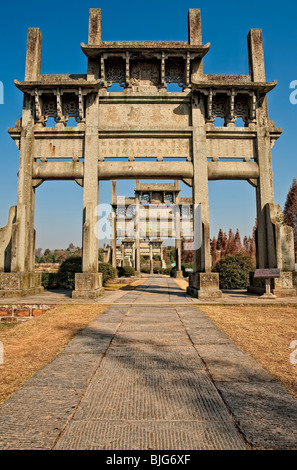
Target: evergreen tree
{"x":231,"y":245}
{"x":238,"y":242}
{"x":290,"y":211}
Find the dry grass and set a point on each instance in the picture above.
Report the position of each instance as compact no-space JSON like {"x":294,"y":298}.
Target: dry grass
{"x":30,"y":345}
{"x":6,"y":326}
{"x":114,"y":286}
{"x":124,"y":286}
{"x":265,"y":333}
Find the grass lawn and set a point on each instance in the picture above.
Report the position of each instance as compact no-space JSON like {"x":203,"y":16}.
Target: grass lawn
{"x":265,"y":333}
{"x":29,"y":346}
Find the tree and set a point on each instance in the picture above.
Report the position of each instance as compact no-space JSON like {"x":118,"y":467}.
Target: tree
{"x":290,"y":211}
{"x":213,"y":250}
{"x":238,"y":242}
{"x":38,"y":252}
{"x":231,"y":245}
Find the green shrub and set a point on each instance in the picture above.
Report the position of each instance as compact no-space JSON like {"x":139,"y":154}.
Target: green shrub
{"x":108,"y":271}
{"x":67,"y":271}
{"x":145,"y":270}
{"x":157,"y":269}
{"x":126,"y":271}
{"x":234,"y":271}
{"x":49,"y":280}
{"x":166,"y":271}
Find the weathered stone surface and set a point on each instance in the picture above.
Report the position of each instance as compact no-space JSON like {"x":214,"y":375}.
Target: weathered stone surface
{"x":265,"y":413}
{"x":118,"y":386}
{"x":150,"y":122}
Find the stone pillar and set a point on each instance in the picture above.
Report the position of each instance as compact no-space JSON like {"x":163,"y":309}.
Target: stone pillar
{"x":194,"y":27}
{"x":23,"y":280}
{"x":114,"y":238}
{"x":114,"y":225}
{"x":179,"y":273}
{"x":195,"y":38}
{"x":269,"y":233}
{"x":123,"y":255}
{"x":95,"y":21}
{"x":137,"y":238}
{"x":163,"y":263}
{"x":266,"y":255}
{"x":202,"y":258}
{"x":33,"y":58}
{"x":151,"y":259}
{"x":89,"y":283}
{"x":203,"y":283}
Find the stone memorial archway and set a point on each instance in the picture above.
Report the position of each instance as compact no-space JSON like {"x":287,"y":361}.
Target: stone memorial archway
{"x":145,"y":121}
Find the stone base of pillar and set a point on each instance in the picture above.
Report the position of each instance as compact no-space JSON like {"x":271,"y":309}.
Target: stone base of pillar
{"x":179,"y":275}
{"x":281,"y":287}
{"x":88,"y":286}
{"x":20,"y":284}
{"x":137,"y":274}
{"x":204,"y":286}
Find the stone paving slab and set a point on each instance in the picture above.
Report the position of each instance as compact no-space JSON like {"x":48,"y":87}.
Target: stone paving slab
{"x":128,"y":381}
{"x":150,"y":326}
{"x":226,"y":362}
{"x":169,"y":435}
{"x":168,"y":359}
{"x":211,"y":335}
{"x":158,"y":338}
{"x":67,"y":371}
{"x":265,"y":413}
{"x":150,"y":350}
{"x":159,"y":392}
{"x":34,"y":416}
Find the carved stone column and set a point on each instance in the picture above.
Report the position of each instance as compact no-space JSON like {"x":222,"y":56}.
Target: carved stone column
{"x":137,"y":238}
{"x":203,"y":283}
{"x":114,"y":227}
{"x":151,"y":259}
{"x":23,"y":280}
{"x":88,"y":284}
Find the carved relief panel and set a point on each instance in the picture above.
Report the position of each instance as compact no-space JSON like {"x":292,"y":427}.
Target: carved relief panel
{"x":145,"y":73}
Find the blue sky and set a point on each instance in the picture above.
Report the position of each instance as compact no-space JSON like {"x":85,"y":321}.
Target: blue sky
{"x":225,"y":25}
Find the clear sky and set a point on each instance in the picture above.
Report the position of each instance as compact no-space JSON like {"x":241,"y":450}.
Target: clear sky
{"x":225,"y":25}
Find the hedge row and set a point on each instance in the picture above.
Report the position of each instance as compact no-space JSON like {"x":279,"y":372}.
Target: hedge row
{"x":234,"y":272}
{"x":65,"y":277}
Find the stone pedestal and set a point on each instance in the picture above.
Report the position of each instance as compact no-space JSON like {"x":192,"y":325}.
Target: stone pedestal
{"x":281,"y":287}
{"x":179,"y":275}
{"x":20,"y":284}
{"x":294,"y":274}
{"x":204,"y":286}
{"x":88,"y":286}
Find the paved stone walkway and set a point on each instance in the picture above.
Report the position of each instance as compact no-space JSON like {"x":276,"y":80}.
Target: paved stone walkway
{"x":149,"y":376}
{"x":151,"y":286}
